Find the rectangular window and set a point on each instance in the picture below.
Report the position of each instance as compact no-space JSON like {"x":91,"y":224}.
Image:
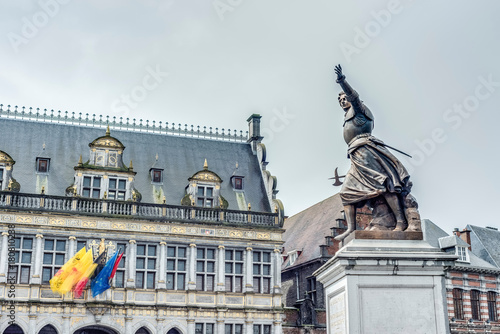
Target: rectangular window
{"x":145,"y":266}
{"x":176,"y":267}
{"x":1,"y":178}
{"x":492,"y":306}
{"x":117,"y":189}
{"x":205,"y":269}
{"x":462,"y":254}
{"x":42,"y":165}
{"x":238,"y":183}
{"x":205,"y":197}
{"x":54,"y":257}
{"x":21,"y":268}
{"x":311,"y":288}
{"x":91,"y":186}
{"x":201,"y":328}
{"x":261,"y":329}
{"x":233,"y":329}
{"x":475,"y":305}
{"x":262,"y":272}
{"x":458,"y":304}
{"x":233,"y":265}
{"x":120,"y":271}
{"x":156,"y":175}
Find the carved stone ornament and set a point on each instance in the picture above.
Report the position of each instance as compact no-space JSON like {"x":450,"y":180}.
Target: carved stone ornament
{"x":98,"y":312}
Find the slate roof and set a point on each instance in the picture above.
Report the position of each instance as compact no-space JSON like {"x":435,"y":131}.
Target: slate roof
{"x":307,"y":230}
{"x":485,"y":243}
{"x":180,"y":157}
{"x":433,"y":234}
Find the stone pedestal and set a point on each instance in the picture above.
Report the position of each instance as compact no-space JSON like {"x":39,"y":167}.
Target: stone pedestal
{"x":386,"y":286}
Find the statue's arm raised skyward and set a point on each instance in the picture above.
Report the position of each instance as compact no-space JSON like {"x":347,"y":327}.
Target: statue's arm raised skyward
{"x":351,"y":96}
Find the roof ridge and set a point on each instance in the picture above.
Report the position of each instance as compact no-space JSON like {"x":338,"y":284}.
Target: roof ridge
{"x":127,"y":124}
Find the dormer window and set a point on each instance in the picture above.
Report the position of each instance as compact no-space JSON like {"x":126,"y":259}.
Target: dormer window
{"x":42,"y":165}
{"x":462,"y":252}
{"x":91,"y":186}
{"x":205,"y":197}
{"x":117,"y":189}
{"x":156,"y":175}
{"x":292,"y":257}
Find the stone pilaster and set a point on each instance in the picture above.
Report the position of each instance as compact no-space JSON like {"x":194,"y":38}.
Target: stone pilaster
{"x":132,"y":250}
{"x":163,"y":260}
{"x":192,"y":268}
{"x":277,"y":271}
{"x":72,"y":247}
{"x":249,"y":270}
{"x":4,"y":257}
{"x":37,"y":264}
{"x":220,"y":269}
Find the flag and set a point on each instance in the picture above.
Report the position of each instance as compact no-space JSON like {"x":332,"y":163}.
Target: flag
{"x":78,"y":289}
{"x":101,"y":282}
{"x":60,"y":276}
{"x":116,"y":264}
{"x":76,"y":272}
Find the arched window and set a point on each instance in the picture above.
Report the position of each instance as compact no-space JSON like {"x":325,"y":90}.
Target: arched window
{"x":48,"y":329}
{"x":142,"y":330}
{"x":13,"y":329}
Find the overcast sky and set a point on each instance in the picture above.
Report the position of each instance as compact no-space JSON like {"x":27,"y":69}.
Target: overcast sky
{"x":428,"y":70}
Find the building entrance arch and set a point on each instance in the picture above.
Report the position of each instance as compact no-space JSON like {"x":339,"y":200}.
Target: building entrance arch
{"x":95,"y":330}
{"x":173,"y":331}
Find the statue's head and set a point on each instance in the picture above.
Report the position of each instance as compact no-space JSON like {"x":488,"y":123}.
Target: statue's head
{"x":343,"y":101}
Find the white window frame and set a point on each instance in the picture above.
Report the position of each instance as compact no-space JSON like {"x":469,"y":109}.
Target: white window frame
{"x":55,"y":253}
{"x":92,"y":187}
{"x":113,"y":193}
{"x":462,"y":253}
{"x":205,"y":199}
{"x":173,"y":272}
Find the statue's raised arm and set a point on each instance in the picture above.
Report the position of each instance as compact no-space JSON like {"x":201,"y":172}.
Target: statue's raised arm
{"x":350,"y":95}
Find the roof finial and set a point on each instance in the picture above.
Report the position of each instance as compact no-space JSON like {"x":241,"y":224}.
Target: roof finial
{"x":131,"y":167}
{"x":80,"y":162}
{"x":236,"y":164}
{"x":156,"y":156}
{"x":108,"y":133}
{"x":43,"y":146}
{"x":205,"y":165}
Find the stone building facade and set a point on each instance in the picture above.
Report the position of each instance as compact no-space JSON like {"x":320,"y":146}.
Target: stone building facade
{"x":195,"y":212}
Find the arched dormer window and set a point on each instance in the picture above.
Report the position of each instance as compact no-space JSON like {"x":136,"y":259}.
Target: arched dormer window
{"x":204,"y":190}
{"x":104,"y":175}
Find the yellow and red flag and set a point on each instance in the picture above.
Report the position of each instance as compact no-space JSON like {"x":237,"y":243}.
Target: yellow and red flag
{"x":62,"y":274}
{"x":76,"y":272}
{"x":78,"y":289}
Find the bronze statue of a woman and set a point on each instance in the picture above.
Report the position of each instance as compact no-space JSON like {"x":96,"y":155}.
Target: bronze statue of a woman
{"x":375,"y":174}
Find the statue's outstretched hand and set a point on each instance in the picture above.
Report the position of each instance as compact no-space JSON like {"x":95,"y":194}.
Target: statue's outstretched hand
{"x":338,"y":71}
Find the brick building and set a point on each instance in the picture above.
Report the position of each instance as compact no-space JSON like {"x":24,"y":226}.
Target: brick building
{"x":471,"y":284}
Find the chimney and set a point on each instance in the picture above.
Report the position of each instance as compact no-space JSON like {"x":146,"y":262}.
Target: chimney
{"x":254,"y":136}
{"x":465,"y":236}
